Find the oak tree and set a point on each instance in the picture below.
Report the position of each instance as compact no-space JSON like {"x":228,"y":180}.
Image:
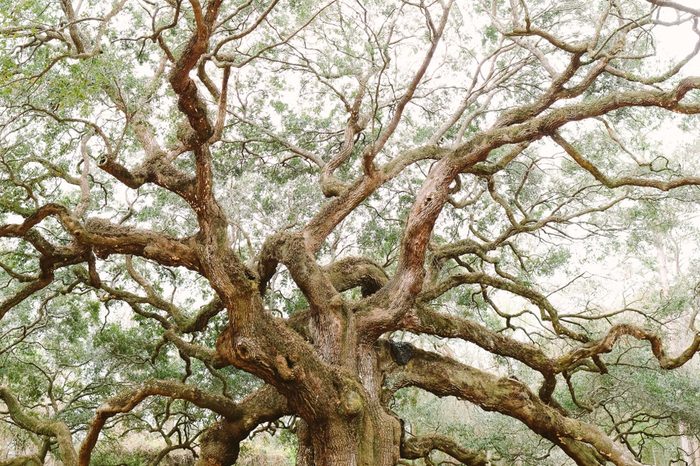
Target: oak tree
{"x":224,"y":216}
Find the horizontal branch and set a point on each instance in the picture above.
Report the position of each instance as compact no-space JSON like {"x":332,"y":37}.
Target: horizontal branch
{"x":420,"y":447}
{"x":676,"y":5}
{"x":422,"y":319}
{"x":625,"y":180}
{"x":444,"y":376}
{"x":548,"y":311}
{"x":107,"y":238}
{"x":605,"y":345}
{"x":196,"y":351}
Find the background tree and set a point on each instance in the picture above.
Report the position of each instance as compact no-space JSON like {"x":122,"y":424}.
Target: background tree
{"x":315,"y":217}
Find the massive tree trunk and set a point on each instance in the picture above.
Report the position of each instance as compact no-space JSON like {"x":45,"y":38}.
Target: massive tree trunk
{"x":343,"y":417}
{"x":369,"y":438}
{"x":360,"y":431}
{"x":333,"y":365}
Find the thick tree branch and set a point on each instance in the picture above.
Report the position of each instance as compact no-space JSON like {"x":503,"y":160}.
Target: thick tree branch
{"x":446,"y":377}
{"x":336,"y":210}
{"x":189,"y":101}
{"x":52,"y":428}
{"x":128,"y":400}
{"x":420,"y":447}
{"x":220,"y":442}
{"x":351,"y":272}
{"x":606,"y":344}
{"x":106,"y":238}
{"x":422,"y":319}
{"x":408,"y":280}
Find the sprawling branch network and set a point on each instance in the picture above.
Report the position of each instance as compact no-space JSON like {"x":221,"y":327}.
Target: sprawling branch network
{"x":149,"y":154}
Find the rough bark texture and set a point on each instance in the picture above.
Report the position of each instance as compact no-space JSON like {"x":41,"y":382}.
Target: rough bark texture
{"x":334,"y":365}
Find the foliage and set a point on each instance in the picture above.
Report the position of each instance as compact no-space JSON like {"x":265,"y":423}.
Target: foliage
{"x":333,"y":223}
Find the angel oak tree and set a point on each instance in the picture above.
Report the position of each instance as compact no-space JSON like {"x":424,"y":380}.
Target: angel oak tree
{"x":216,"y":215}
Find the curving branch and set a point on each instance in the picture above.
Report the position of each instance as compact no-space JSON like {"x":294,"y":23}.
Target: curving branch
{"x":400,"y":293}
{"x":606,"y":344}
{"x":128,"y":400}
{"x":676,"y":5}
{"x":548,"y":311}
{"x":48,"y":427}
{"x":196,"y":351}
{"x":189,"y":101}
{"x":107,"y":238}
{"x":444,"y":376}
{"x":185,"y":323}
{"x":625,"y":180}
{"x":45,"y":279}
{"x":333,"y":212}
{"x":221,"y":441}
{"x":420,"y":447}
{"x":353,"y":272}
{"x":421,"y":319}
{"x":97,"y":236}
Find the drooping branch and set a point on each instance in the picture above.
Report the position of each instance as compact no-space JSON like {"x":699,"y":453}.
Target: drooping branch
{"x":420,"y":447}
{"x":128,"y":400}
{"x":51,"y":257}
{"x":676,"y":5}
{"x":444,"y":376}
{"x":36,"y":285}
{"x":185,"y":323}
{"x":48,"y":427}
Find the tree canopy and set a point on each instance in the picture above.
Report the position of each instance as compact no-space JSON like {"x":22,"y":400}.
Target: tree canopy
{"x":382,"y":231}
